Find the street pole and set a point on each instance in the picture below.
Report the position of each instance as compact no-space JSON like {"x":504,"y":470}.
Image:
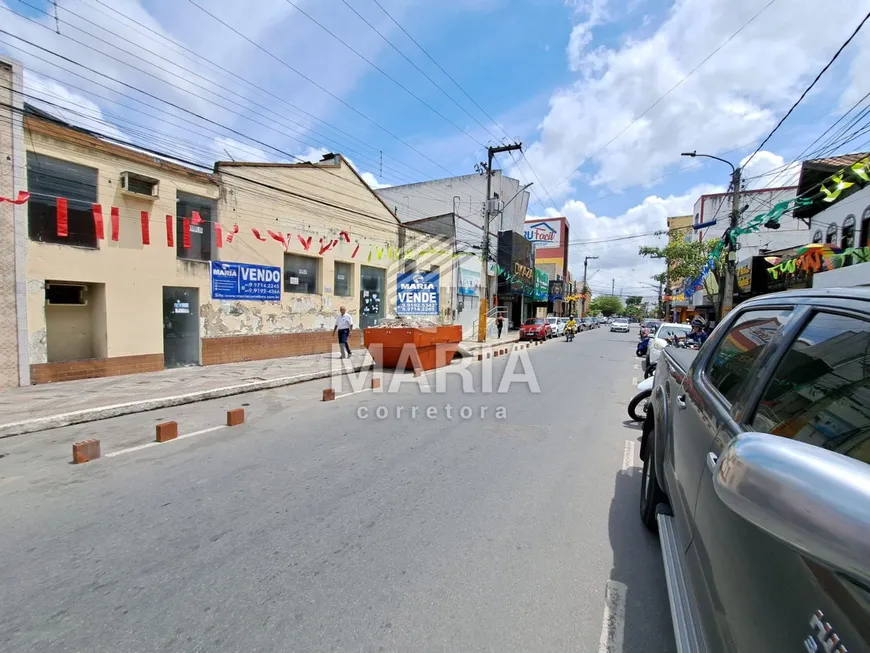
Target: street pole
{"x":585,"y":287}
{"x":731,"y":262}
{"x":612,"y":287}
{"x":731,"y":245}
{"x":484,"y":273}
{"x":660,"y":313}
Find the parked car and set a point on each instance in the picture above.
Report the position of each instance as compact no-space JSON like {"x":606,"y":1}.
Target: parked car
{"x":756,"y":474}
{"x":588,"y":323}
{"x":664,"y":335}
{"x":650,"y":326}
{"x":619,"y":326}
{"x":557,"y":327}
{"x":536,"y":328}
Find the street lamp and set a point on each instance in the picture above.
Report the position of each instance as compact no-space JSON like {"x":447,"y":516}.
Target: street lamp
{"x":728,"y":294}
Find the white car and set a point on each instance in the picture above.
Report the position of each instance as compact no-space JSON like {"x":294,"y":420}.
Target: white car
{"x":620,"y":326}
{"x":557,"y":325}
{"x":659,"y":340}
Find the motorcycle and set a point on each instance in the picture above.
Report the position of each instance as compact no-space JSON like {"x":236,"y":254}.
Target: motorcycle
{"x":642,"y":347}
{"x":638,"y":406}
{"x":569,"y":335}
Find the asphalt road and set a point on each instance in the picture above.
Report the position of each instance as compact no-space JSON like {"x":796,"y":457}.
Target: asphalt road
{"x":320,"y":527}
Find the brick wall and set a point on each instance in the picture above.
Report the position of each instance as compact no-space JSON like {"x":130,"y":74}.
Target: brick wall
{"x":235,"y":349}
{"x":94,"y":368}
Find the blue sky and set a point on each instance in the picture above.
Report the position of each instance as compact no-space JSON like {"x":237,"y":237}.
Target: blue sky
{"x":563,"y":76}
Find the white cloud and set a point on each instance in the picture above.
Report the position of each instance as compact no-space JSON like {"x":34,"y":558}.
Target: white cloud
{"x":732,"y":100}
{"x":619,"y":238}
{"x":224,"y":146}
{"x":769,"y":170}
{"x":373,"y":182}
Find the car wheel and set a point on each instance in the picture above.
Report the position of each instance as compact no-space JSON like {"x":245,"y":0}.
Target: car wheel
{"x":651,"y":494}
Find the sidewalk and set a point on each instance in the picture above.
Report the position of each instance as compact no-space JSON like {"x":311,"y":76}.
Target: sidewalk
{"x":52,"y":405}
{"x":471,"y":346}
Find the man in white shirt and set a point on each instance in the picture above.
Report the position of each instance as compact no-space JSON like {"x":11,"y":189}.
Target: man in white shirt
{"x":343,"y":325}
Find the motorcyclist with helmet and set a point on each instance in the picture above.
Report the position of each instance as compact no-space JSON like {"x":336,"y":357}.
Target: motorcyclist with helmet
{"x":698,"y":335}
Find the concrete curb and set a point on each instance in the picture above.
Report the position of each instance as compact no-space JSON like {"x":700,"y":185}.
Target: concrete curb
{"x":117,"y":410}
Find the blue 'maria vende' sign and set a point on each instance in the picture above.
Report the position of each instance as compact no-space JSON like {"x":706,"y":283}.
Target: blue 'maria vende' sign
{"x":245,"y":281}
{"x":417,"y":294}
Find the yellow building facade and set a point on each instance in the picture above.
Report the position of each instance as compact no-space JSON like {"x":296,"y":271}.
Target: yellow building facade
{"x":151,"y":291}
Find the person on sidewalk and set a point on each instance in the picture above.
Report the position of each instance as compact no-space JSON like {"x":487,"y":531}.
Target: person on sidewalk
{"x":499,"y":324}
{"x":343,"y":325}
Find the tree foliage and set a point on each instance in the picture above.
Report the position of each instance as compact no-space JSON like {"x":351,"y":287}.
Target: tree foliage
{"x":685,"y":260}
{"x":607,"y":305}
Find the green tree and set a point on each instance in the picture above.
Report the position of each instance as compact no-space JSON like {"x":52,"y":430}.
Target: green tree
{"x":607,"y":305}
{"x":685,"y":260}
{"x":634,"y":306}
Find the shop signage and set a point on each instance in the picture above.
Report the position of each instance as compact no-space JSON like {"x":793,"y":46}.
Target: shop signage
{"x":744,"y":276}
{"x":542,"y":285}
{"x":469,"y":282}
{"x":557,"y":290}
{"x":417,"y":294}
{"x":524,"y":273}
{"x":244,"y":281}
{"x":544,"y":234}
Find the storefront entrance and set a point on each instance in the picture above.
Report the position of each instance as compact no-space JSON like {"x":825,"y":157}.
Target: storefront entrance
{"x":180,"y":327}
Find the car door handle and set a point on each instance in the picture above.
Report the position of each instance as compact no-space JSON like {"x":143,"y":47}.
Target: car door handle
{"x":712,"y":459}
{"x":681,"y":401}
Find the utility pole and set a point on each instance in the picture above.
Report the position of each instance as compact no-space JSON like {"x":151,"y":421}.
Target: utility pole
{"x":727,"y":289}
{"x":731,"y":262}
{"x":612,"y":287}
{"x":585,"y":287}
{"x":484,"y":273}
{"x":660,"y":309}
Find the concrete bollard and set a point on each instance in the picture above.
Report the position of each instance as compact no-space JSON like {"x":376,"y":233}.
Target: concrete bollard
{"x":166,"y":431}
{"x":328,"y":394}
{"x":418,"y":371}
{"x":376,"y":383}
{"x":85,"y":451}
{"x":235,"y":416}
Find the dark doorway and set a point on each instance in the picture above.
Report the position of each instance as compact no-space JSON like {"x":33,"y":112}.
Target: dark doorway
{"x":180,"y":327}
{"x":372,"y":296}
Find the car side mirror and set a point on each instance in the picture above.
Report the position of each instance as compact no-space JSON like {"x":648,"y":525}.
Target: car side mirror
{"x":814,"y":500}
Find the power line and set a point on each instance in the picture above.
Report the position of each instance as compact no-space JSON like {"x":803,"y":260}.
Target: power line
{"x":380,"y":70}
{"x":667,"y":93}
{"x":319,"y":86}
{"x":810,"y":87}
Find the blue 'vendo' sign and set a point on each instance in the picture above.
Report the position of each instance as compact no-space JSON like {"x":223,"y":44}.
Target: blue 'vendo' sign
{"x":417,"y":294}
{"x":245,"y":281}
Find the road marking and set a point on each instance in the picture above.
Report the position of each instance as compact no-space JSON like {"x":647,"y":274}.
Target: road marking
{"x":613,"y":625}
{"x":154,"y":444}
{"x":628,"y":455}
{"x":634,"y":381}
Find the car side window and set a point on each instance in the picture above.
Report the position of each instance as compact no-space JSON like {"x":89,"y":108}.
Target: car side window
{"x":736,"y":353}
{"x":820,"y":392}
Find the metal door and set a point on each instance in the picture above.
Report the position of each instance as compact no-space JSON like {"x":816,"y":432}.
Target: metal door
{"x":180,"y":327}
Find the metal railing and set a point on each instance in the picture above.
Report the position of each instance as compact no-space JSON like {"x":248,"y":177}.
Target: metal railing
{"x":491,"y":330}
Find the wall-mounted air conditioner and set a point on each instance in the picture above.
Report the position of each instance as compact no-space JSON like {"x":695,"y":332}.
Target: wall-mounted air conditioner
{"x":140,"y":186}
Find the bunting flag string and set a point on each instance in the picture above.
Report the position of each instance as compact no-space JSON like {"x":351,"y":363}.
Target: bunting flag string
{"x":97,"y":211}
{"x":185,"y":233}
{"x":62,"y":222}
{"x":23,"y":196}
{"x":219,"y":234}
{"x":146,"y":228}
{"x":232,"y":234}
{"x":306,"y":242}
{"x":257,"y":235}
{"x":355,"y":251}
{"x":345,"y":235}
{"x":281,"y":239}
{"x":116,"y":223}
{"x":170,"y":231}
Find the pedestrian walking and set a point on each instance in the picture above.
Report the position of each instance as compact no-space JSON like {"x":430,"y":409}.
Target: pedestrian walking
{"x":343,"y":325}
{"x":499,"y":324}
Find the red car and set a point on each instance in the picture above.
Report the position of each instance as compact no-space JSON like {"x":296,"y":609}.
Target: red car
{"x":536,"y":328}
